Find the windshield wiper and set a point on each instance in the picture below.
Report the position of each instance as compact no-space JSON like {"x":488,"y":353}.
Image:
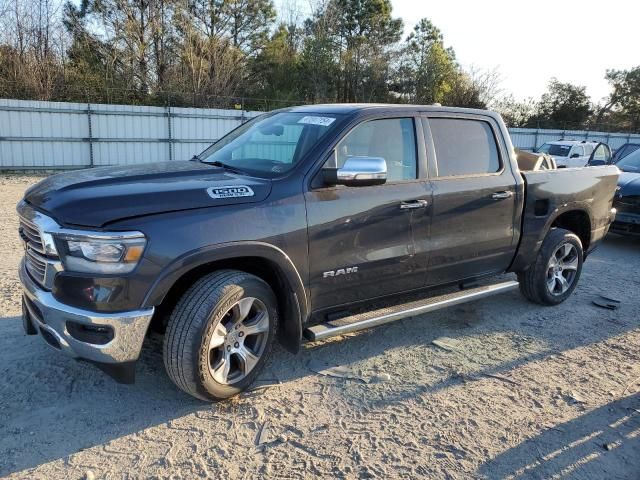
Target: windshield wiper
{"x":217,"y":163}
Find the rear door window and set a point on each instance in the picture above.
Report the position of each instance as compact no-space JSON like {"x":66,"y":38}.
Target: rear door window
{"x":464,"y":147}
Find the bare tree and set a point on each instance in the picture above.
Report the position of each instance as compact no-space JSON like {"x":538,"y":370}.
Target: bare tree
{"x":32,"y":47}
{"x":488,"y":84}
{"x":209,"y":63}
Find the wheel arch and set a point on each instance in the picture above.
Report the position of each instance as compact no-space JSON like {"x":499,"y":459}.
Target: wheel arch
{"x":575,"y":217}
{"x":263,"y":260}
{"x":576,"y":221}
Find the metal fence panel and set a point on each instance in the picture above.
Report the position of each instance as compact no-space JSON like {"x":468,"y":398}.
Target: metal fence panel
{"x":41,"y":134}
{"x":125,"y":134}
{"x":531,"y":138}
{"x":38,"y":135}
{"x":53,"y":135}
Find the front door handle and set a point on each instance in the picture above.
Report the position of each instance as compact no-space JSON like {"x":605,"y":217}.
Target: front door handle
{"x":502,"y":195}
{"x":413,"y":204}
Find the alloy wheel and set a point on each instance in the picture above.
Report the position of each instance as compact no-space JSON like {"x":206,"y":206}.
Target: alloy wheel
{"x":238,"y":341}
{"x":562,"y":269}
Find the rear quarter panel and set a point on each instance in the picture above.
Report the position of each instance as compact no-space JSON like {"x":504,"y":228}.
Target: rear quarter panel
{"x":550,"y":193}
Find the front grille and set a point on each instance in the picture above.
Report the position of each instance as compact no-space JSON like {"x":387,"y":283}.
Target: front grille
{"x":629,"y":228}
{"x":40,"y":258}
{"x":30,"y":234}
{"x":630,"y":204}
{"x":36,"y":265}
{"x":628,"y":200}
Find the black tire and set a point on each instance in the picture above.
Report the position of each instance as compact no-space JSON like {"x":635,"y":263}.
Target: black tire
{"x":534,"y":280}
{"x":205,"y":305}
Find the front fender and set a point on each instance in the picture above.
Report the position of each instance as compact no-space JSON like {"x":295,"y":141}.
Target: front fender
{"x":297,"y":313}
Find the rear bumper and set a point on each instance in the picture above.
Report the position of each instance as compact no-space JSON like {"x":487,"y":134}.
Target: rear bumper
{"x":111,"y":339}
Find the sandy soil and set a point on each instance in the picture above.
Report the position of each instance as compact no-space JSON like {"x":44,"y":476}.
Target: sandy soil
{"x":524,"y":392}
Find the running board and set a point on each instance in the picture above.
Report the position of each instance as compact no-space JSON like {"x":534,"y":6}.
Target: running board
{"x":391,"y":314}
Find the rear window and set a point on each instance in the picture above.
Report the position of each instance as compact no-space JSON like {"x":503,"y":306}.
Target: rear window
{"x":464,"y":147}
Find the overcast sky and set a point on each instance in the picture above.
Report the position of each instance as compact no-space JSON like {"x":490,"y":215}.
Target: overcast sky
{"x":531,"y":41}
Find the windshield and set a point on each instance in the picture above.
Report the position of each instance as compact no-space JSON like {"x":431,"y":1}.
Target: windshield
{"x":630,"y":163}
{"x":555,"y":150}
{"x":625,"y":150}
{"x":272,"y":144}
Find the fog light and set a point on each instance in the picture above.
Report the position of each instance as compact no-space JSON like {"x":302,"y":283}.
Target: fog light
{"x":94,"y":334}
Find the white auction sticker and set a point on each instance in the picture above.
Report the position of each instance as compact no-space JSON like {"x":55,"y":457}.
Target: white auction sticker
{"x":322,"y":121}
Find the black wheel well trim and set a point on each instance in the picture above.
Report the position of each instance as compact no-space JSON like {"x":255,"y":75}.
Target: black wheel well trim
{"x":238,"y":251}
{"x":582,"y":210}
{"x":523,"y":259}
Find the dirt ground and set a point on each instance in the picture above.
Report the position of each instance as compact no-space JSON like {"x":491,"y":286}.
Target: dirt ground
{"x":520,"y":391}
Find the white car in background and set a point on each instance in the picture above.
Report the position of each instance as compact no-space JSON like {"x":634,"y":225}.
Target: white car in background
{"x":576,"y":153}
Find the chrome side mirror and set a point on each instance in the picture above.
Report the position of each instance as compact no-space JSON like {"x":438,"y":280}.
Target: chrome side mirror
{"x":358,"y":172}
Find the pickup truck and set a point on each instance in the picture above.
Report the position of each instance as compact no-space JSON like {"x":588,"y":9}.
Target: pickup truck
{"x":305,"y":222}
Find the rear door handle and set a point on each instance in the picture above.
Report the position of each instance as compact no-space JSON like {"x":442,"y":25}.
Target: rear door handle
{"x":502,"y":195}
{"x":413,"y":204}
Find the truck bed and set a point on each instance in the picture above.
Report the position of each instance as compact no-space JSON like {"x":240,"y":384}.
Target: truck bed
{"x":548,"y":194}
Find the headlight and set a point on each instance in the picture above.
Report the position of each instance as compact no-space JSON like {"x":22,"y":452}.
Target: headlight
{"x":101,"y":252}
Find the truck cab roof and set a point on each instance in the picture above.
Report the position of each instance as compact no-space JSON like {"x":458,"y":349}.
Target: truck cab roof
{"x":353,"y":108}
{"x":573,"y":142}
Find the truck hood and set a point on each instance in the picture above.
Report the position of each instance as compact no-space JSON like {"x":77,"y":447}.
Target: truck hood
{"x":98,"y":196}
{"x":629,"y":183}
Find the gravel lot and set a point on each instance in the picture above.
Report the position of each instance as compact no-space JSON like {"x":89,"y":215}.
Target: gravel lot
{"x":523,"y":392}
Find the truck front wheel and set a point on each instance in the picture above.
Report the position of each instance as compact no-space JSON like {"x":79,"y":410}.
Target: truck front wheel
{"x":220,"y":334}
{"x":551,"y":279}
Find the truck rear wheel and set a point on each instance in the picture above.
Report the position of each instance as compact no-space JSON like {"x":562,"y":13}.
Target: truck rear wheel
{"x":220,"y":334}
{"x":553,"y":277}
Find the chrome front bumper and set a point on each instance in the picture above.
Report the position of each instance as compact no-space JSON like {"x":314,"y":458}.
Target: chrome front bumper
{"x":49,"y":317}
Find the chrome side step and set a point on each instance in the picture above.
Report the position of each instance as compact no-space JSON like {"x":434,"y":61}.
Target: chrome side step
{"x":397,"y":312}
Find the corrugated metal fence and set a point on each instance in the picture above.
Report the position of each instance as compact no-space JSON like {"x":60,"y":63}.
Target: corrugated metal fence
{"x":530,"y":138}
{"x":50,"y":135}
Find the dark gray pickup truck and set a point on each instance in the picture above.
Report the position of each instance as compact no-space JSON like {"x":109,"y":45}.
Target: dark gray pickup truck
{"x":305,"y":222}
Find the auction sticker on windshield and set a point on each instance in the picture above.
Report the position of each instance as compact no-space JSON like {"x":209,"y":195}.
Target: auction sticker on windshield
{"x":322,"y":121}
{"x":230,"y":191}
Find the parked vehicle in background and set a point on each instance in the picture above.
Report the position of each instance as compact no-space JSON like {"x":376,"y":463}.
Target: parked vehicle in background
{"x":624,"y":150}
{"x":575,"y":153}
{"x":311,"y":221}
{"x":601,"y":155}
{"x":627,"y":198}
